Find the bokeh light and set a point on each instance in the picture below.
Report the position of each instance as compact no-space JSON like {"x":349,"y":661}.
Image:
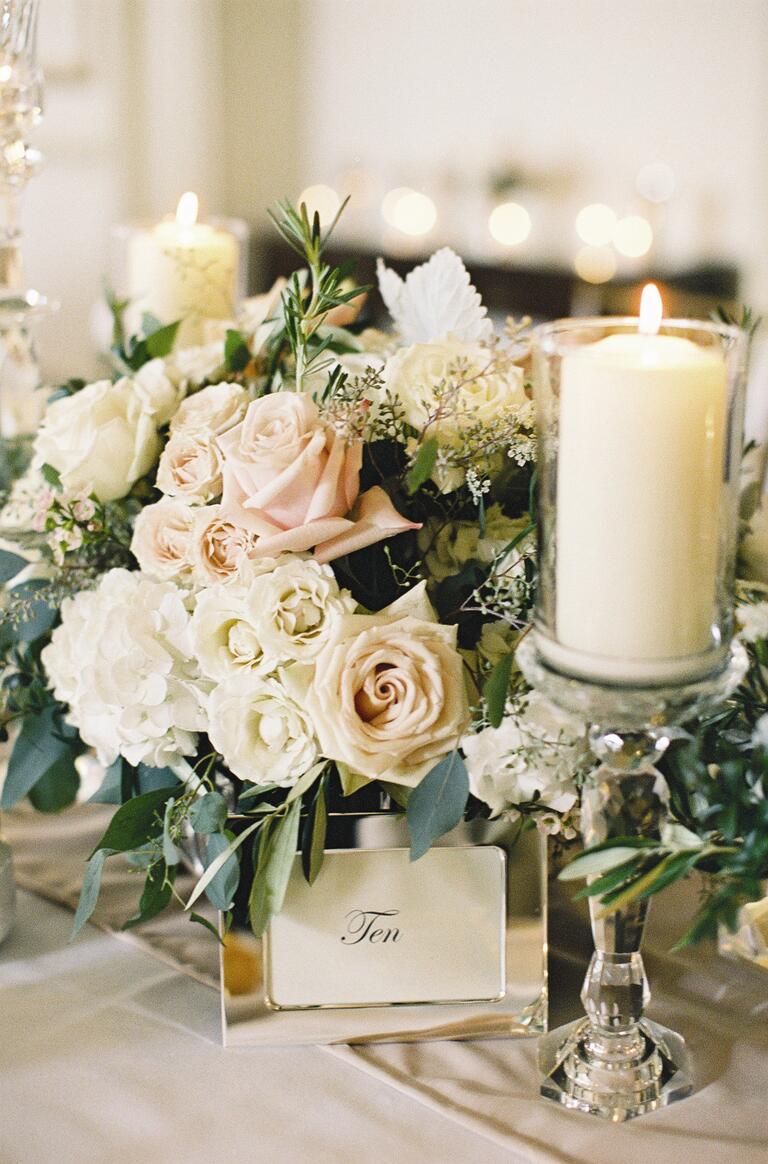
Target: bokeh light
{"x":409,"y":211}
{"x":509,"y":223}
{"x":321,"y":200}
{"x":595,"y":224}
{"x":595,"y":264}
{"x":633,"y":236}
{"x":656,"y":181}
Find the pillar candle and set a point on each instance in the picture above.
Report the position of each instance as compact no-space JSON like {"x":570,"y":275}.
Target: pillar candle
{"x":183,"y":269}
{"x":640,"y":466}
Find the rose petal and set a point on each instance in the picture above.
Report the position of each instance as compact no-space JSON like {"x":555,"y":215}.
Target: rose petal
{"x":304,"y":537}
{"x":374,"y":518}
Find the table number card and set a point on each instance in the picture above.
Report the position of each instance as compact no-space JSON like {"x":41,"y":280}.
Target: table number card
{"x":377,"y":929}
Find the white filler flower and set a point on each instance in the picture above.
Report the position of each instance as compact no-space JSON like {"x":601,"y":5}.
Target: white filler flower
{"x":532,"y":755}
{"x":122,"y":659}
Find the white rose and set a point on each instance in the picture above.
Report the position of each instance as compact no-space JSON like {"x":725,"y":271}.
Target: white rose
{"x":225,"y":632}
{"x":158,"y":393}
{"x":190,"y":467}
{"x":211,"y":411}
{"x":388,"y":697}
{"x":162,"y":539}
{"x":218,"y":546}
{"x":533,"y":755}
{"x":263,"y":735}
{"x":122,"y":659}
{"x":102,"y":439}
{"x":296,"y":605}
{"x":196,"y":365}
{"x":418,"y":376}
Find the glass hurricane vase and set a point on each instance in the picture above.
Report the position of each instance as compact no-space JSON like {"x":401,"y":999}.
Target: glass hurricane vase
{"x":640,"y":432}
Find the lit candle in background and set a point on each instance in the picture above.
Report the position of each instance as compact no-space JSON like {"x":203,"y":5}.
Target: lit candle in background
{"x":183,"y":269}
{"x":641,"y":439}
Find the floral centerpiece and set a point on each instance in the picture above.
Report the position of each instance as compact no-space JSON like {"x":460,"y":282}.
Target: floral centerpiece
{"x":289,"y":568}
{"x":277,"y":569}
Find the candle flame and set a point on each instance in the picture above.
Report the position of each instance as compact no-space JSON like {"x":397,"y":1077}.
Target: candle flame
{"x":651,"y":310}
{"x":186,"y":211}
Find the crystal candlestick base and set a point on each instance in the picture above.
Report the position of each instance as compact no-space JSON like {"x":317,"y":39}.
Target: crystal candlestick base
{"x":615,"y":1063}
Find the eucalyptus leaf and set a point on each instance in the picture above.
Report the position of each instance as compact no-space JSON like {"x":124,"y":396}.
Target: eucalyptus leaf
{"x":596,"y":861}
{"x":437,"y":803}
{"x":209,"y":813}
{"x":277,"y":854}
{"x":137,"y":822}
{"x":89,"y":894}
{"x":220,"y":860}
{"x":222,"y":888}
{"x":58,"y":787}
{"x":10,"y":565}
{"x":170,"y":852}
{"x":38,"y":748}
{"x":42,"y":615}
{"x":496,"y":689}
{"x":155,"y":896}
{"x":203,"y":921}
{"x":109,"y":791}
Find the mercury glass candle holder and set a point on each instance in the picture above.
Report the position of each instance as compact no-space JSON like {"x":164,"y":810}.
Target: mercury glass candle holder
{"x":639,"y":452}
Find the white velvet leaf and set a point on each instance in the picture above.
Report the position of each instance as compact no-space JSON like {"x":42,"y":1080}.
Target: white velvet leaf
{"x":436,"y":299}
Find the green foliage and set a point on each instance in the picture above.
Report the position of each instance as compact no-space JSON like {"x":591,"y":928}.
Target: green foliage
{"x":424,"y":462}
{"x":209,"y":814}
{"x":275,"y":852}
{"x":44,"y":750}
{"x":311,"y":294}
{"x":137,"y":822}
{"x":89,"y":894}
{"x":237,"y":354}
{"x":437,"y":803}
{"x":313,"y":834}
{"x":158,"y":889}
{"x":496,"y":690}
{"x":10,"y":565}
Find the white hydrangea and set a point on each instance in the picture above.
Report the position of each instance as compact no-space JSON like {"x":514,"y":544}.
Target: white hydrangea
{"x":122,"y":659}
{"x":534,"y":754}
{"x":753,"y":619}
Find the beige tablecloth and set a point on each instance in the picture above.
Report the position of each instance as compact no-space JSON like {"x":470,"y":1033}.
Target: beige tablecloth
{"x":107,"y":1054}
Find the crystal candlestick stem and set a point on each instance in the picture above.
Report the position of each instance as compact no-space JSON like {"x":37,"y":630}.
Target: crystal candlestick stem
{"x":615,"y":1062}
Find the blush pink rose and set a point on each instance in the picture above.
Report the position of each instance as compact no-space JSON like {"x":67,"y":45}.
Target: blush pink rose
{"x":295,"y":483}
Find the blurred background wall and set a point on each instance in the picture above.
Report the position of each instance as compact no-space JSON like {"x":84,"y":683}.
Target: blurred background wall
{"x":656,"y":111}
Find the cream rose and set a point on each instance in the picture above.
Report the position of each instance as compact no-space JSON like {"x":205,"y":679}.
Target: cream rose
{"x":158,"y":393}
{"x":211,"y":411}
{"x":190,"y":467}
{"x":263,"y":735}
{"x":162,"y":539}
{"x":417,"y":376}
{"x":295,"y":483}
{"x":102,"y":438}
{"x":218,"y":546}
{"x":388,"y":698}
{"x":225,"y":633}
{"x":195,"y":365}
{"x":296,"y":605}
